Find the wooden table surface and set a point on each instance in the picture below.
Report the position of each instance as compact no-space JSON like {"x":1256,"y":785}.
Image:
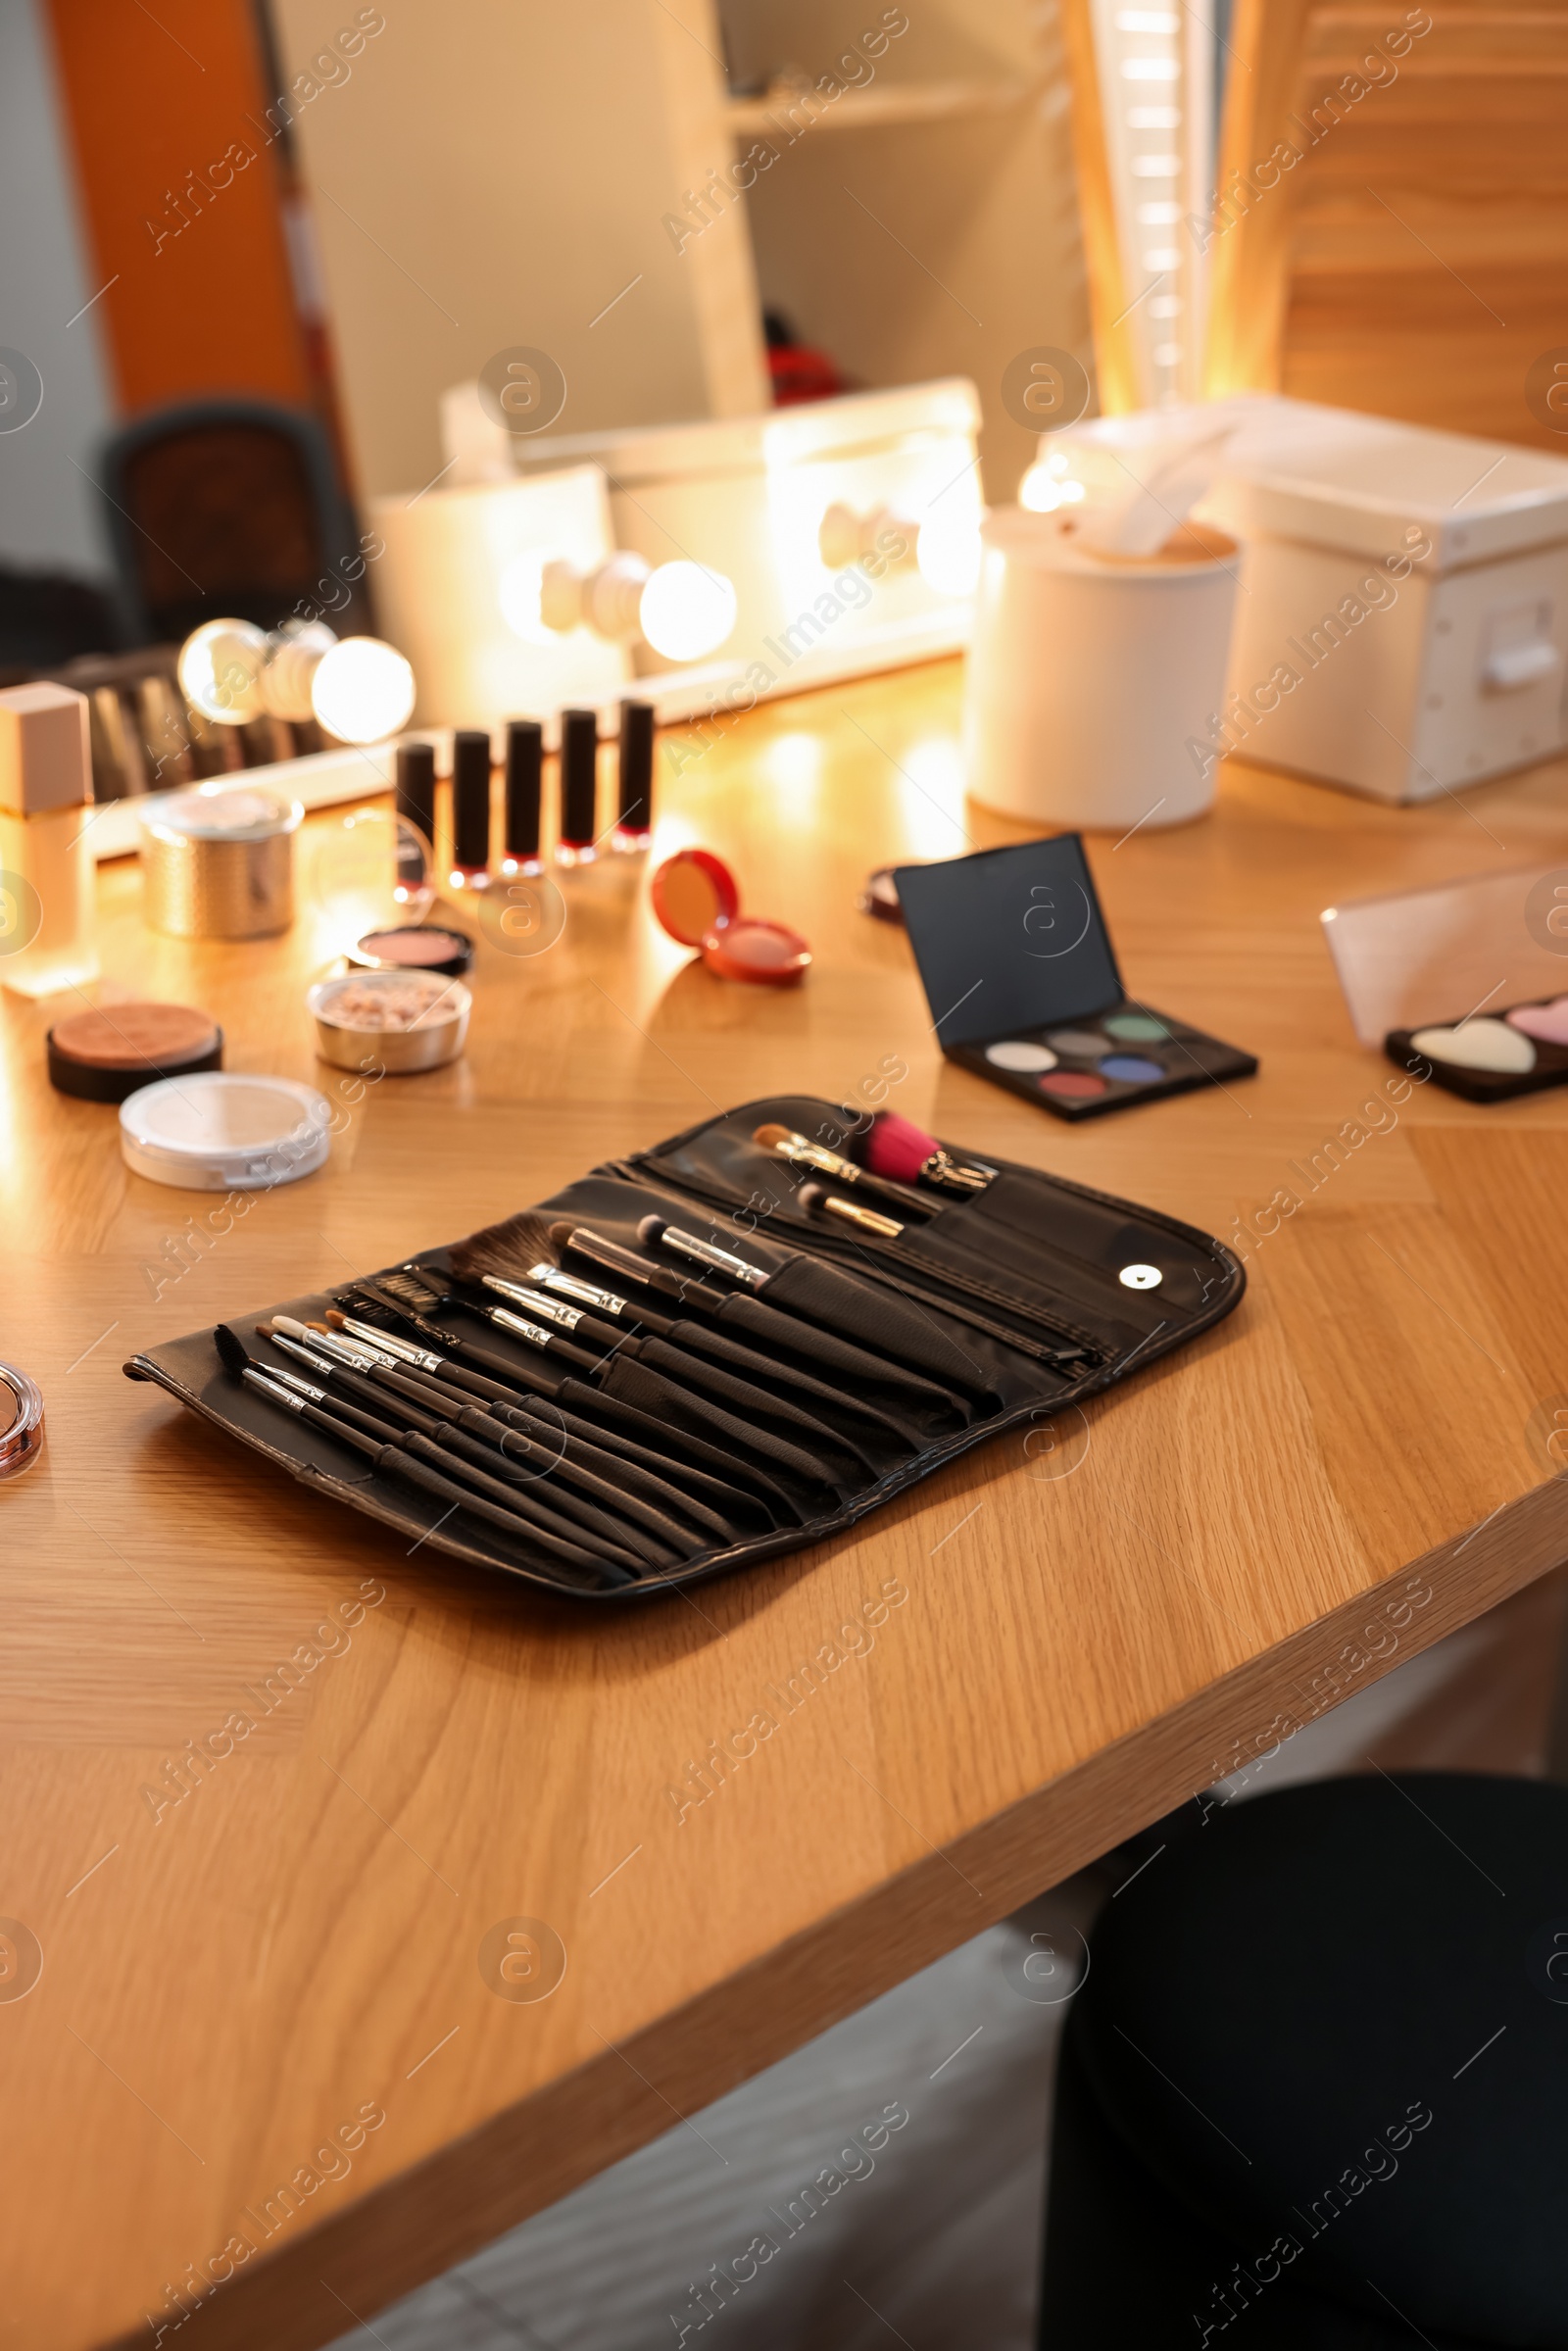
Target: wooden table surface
{"x":270,"y":2036}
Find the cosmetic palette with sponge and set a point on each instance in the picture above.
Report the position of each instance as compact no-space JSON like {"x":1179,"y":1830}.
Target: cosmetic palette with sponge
{"x":1491,"y":1056}
{"x":1018,"y":971}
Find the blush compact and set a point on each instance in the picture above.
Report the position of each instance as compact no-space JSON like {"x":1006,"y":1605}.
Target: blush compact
{"x":698,"y":901}
{"x":414,"y":947}
{"x":107,"y":1053}
{"x":1022,"y":982}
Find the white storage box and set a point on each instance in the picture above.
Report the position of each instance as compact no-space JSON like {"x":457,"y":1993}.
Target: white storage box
{"x":1403,"y":626}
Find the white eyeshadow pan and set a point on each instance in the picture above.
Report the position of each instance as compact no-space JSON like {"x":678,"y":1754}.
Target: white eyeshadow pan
{"x":1483,"y":1043}
{"x":1025,"y":1061}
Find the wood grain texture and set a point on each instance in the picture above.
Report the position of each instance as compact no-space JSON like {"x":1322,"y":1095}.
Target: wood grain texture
{"x":1115,"y":350}
{"x":1090,"y":1626}
{"x":1413,"y":260}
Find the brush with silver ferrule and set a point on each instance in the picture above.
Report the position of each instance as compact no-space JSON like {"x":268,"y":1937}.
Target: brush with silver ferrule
{"x":485,"y":1449}
{"x":410,"y":1455}
{"x":683,"y":1489}
{"x":504,"y":1257}
{"x":542,"y":1453}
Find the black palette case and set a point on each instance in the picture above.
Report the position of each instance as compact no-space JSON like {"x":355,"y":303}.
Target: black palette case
{"x":997,"y":1311}
{"x":1484,"y":1084}
{"x":1014,"y":951}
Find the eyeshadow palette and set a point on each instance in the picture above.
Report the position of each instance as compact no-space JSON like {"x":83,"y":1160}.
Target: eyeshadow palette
{"x":1493,"y":1058}
{"x":1022,"y":982}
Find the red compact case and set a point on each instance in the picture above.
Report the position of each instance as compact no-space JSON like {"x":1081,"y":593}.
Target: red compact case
{"x":698,"y":901}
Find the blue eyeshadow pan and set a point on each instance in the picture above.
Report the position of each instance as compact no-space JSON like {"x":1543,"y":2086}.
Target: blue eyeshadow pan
{"x":1131,"y":1068}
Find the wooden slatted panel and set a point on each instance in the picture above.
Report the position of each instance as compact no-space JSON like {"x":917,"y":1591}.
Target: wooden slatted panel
{"x":1414,"y":260}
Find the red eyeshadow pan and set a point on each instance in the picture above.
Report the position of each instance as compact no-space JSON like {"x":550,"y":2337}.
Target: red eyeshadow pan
{"x":1072,"y":1086}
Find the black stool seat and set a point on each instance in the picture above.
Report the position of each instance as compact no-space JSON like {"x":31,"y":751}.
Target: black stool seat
{"x":1314,"y":2092}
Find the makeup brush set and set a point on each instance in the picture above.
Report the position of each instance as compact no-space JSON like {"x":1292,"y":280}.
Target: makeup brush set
{"x":722,"y":1348}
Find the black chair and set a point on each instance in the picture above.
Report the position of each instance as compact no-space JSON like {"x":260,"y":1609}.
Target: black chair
{"x":1314,"y":2091}
{"x":228,"y":507}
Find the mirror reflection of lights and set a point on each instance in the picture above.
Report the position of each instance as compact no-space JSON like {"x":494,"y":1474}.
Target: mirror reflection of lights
{"x":682,"y":610}
{"x":358,"y":688}
{"x":942,"y":545}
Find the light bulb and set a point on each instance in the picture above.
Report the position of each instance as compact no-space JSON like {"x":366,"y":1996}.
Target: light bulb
{"x":520,"y":590}
{"x":686,"y":611}
{"x":948,"y":551}
{"x":220,"y":671}
{"x":1040,"y":491}
{"x":363,"y":689}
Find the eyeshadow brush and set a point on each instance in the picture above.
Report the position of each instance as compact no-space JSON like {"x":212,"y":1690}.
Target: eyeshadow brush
{"x":651,"y":1498}
{"x":638,"y":1384}
{"x":476,"y":1262}
{"x":400,"y":1457}
{"x":735,"y":1392}
{"x":891,"y":1302}
{"x":647,"y":1465}
{"x":767,"y":1327}
{"x":527,"y":1250}
{"x":578,"y":1541}
{"x":474,"y":1434}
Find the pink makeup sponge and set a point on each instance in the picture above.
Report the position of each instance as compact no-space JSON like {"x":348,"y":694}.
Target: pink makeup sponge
{"x":896,"y":1148}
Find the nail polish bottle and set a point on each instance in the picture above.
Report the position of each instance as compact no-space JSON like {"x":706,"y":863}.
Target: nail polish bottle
{"x":525,"y":740}
{"x":47,"y":877}
{"x":579,"y":778}
{"x":470,"y":809}
{"x":634,"y":812}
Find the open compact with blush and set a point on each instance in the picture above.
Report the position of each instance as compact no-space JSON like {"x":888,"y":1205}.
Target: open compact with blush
{"x":698,"y":901}
{"x":1021,"y":978}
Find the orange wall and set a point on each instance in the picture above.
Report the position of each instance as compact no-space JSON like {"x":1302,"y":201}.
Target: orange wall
{"x":152,"y":100}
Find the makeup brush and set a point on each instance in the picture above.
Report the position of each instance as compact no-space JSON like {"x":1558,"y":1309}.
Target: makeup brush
{"x":897,"y":1148}
{"x":640,"y":1384}
{"x":525,"y":1250}
{"x":647,"y":1424}
{"x":767,"y":1327}
{"x":879,"y":1305}
{"x":464,"y":1431}
{"x":571,"y":1563}
{"x":800,"y":1152}
{"x":473,"y":1260}
{"x":518,"y":1438}
{"x":714,"y":1502}
{"x":812,"y":1196}
{"x":562,"y":1439}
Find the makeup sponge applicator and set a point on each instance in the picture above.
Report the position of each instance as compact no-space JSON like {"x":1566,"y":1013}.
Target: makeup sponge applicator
{"x":899,"y":1148}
